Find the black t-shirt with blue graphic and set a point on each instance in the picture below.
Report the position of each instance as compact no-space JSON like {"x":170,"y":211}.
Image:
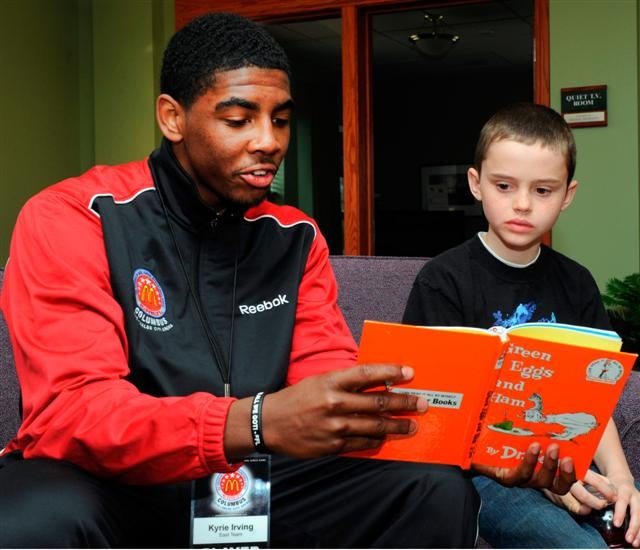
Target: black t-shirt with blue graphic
{"x":468,"y":286}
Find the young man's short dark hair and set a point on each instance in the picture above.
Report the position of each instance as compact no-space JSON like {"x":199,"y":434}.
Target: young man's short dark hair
{"x":215,"y":42}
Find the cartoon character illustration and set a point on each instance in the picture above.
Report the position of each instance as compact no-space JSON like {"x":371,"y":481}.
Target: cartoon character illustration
{"x":605,"y":370}
{"x":574,"y":424}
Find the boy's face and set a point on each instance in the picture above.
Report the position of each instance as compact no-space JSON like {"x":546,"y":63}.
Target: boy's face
{"x":523,"y":189}
{"x":232,"y":139}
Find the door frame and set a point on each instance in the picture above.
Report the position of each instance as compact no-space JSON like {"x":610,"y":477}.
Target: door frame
{"x":356,"y":84}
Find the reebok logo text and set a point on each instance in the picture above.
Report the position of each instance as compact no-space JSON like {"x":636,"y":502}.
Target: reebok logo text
{"x":265,"y":305}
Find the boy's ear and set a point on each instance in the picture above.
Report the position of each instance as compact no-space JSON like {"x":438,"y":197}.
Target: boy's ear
{"x":568,"y":197}
{"x":473,"y":177}
{"x":170,"y":117}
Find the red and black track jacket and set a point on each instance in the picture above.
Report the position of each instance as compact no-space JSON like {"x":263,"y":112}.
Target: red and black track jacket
{"x":119,"y":373}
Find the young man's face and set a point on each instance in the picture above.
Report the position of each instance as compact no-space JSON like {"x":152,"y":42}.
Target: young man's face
{"x":233,"y":138}
{"x":523,"y":189}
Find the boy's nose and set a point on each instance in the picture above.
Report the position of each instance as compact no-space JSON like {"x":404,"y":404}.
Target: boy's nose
{"x":522,"y":201}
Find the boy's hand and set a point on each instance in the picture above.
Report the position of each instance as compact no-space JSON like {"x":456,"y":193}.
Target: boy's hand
{"x":627,"y":500}
{"x":581,"y":500}
{"x":595,"y":493}
{"x":556,"y":475}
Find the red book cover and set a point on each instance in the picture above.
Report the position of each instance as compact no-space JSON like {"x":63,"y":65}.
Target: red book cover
{"x":493,"y":393}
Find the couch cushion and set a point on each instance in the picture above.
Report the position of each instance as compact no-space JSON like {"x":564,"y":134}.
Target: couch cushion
{"x":374,"y":287}
{"x":9,"y":389}
{"x":627,"y":418}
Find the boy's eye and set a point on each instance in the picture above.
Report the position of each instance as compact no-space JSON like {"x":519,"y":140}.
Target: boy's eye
{"x":543,"y":191}
{"x":280,"y":122}
{"x":503,"y":186}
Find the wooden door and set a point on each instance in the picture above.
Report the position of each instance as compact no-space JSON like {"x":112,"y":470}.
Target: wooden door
{"x":356,"y":84}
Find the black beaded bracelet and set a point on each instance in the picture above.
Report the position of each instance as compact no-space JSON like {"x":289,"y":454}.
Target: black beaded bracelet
{"x":256,"y":423}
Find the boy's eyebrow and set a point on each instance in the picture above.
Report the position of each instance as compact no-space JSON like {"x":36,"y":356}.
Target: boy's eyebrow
{"x":250,"y":105}
{"x":496,"y":175}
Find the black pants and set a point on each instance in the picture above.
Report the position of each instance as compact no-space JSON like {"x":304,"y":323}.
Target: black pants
{"x":330,"y":503}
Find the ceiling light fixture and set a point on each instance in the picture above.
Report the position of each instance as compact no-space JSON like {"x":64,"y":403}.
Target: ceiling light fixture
{"x":434,"y":43}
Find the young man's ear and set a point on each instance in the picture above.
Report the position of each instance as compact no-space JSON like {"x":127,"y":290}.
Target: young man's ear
{"x":473,"y":177}
{"x":571,"y":192}
{"x":170,"y":117}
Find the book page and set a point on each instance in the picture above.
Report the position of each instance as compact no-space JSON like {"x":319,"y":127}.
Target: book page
{"x":570,"y":334}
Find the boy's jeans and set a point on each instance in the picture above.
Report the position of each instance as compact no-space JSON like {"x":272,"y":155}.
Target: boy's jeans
{"x":512,"y":517}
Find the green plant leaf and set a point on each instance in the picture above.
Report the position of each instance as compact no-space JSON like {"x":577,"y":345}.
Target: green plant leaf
{"x":621,"y":298}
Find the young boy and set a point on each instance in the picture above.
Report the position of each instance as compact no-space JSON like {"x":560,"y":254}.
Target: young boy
{"x":523,"y":174}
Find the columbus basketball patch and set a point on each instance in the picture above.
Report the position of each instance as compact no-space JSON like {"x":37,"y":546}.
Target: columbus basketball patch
{"x":150,"y":302}
{"x":232,"y":491}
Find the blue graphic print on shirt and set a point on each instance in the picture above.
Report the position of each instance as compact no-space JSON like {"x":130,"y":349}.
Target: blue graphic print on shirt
{"x":522,"y":314}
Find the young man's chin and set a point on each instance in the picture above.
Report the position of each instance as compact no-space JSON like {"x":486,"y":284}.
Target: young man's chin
{"x":248,"y":200}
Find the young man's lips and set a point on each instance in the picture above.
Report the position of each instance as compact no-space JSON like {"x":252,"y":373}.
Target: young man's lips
{"x":258,"y":178}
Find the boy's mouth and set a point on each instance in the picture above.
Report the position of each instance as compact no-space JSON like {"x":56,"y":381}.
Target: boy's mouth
{"x":519,"y":225}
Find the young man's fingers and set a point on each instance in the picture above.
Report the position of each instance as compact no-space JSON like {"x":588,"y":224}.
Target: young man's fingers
{"x":370,"y":376}
{"x":524,"y":473}
{"x":566,"y":476}
{"x":380,"y":426}
{"x":353,"y":444}
{"x":382,"y":402}
{"x":558,"y":475}
{"x":547,"y":475}
{"x":363,"y":433}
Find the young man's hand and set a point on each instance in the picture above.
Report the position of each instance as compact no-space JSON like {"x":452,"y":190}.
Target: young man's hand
{"x":556,"y":475}
{"x":328,"y":414}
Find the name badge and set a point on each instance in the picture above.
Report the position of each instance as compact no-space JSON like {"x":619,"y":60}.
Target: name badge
{"x":232,"y":510}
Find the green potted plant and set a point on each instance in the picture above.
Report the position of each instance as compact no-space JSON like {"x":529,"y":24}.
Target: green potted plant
{"x":622,"y":300}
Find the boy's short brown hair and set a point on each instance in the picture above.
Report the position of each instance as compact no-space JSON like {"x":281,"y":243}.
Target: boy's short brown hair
{"x":528,"y":123}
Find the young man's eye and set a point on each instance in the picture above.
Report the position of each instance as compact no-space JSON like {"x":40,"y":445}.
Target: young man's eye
{"x":281,"y":122}
{"x":543,"y":191}
{"x":237,"y":122}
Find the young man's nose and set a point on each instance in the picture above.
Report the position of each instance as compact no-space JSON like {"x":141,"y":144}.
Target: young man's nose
{"x":265,"y":139}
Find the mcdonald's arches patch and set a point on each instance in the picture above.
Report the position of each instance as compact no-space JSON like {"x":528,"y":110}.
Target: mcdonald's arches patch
{"x":231,"y":490}
{"x":150,"y":302}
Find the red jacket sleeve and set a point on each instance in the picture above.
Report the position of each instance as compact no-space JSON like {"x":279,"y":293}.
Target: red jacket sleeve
{"x":321,"y":339}
{"x":71,"y":357}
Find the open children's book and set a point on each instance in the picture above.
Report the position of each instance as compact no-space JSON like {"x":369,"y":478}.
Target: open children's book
{"x":492,"y":392}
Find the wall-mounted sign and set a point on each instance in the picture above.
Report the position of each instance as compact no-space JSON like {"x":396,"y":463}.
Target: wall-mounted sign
{"x":585,"y":106}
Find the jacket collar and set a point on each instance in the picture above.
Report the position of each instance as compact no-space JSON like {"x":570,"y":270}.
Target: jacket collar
{"x":181,"y":196}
